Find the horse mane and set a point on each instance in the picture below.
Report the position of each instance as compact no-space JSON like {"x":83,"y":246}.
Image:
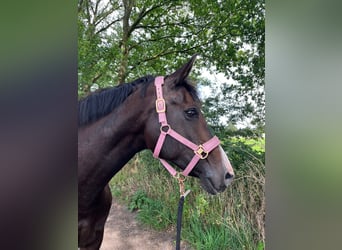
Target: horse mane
{"x":102,"y":102}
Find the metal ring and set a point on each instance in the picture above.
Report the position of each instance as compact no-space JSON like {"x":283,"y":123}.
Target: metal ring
{"x":180,"y":177}
{"x":165,"y":126}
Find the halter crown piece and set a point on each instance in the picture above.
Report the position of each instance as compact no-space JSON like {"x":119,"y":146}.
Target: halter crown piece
{"x":200,"y":151}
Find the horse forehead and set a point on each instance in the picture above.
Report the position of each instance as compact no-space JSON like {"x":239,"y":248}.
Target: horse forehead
{"x":182,"y":96}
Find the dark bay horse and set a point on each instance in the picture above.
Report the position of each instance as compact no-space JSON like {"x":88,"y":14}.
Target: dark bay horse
{"x":118,"y":122}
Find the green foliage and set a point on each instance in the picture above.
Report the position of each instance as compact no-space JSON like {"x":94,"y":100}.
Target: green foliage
{"x":219,"y":236}
{"x":242,"y":151}
{"x":261,"y":246}
{"x":119,"y":41}
{"x":138,"y":200}
{"x":156,"y":214}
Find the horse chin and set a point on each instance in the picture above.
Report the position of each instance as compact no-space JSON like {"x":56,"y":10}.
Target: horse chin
{"x":208,"y":186}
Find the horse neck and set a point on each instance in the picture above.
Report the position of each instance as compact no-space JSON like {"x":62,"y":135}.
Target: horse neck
{"x":108,"y":144}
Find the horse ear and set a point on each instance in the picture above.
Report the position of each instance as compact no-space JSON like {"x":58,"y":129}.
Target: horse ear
{"x":180,"y":74}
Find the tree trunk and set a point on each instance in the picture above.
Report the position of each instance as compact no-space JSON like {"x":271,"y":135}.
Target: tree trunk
{"x":128,"y":5}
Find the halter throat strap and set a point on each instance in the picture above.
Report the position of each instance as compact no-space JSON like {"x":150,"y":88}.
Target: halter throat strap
{"x":200,"y":151}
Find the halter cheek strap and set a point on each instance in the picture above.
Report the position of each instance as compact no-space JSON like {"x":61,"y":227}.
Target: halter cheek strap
{"x":200,"y":151}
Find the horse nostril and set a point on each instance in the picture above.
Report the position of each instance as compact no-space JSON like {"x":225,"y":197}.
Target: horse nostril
{"x":229,"y":176}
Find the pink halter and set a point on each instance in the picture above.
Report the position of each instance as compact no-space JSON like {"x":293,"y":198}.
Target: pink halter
{"x":200,"y":151}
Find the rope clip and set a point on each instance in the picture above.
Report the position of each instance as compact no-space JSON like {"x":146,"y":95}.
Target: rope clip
{"x":181,"y":179}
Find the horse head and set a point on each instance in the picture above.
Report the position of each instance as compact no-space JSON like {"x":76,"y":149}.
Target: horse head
{"x":185,"y":135}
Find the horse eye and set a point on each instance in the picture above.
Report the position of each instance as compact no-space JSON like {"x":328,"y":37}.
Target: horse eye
{"x":192,"y":112}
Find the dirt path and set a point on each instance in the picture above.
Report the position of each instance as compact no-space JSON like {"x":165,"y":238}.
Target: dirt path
{"x":123,"y":232}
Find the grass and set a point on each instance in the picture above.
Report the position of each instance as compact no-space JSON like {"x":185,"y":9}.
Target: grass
{"x":231,"y":220}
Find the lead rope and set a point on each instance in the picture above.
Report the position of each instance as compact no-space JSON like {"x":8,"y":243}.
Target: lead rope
{"x":183,"y":194}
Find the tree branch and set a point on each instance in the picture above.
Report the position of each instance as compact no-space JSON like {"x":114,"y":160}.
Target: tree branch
{"x":96,"y":78}
{"x":105,"y":12}
{"x":142,"y":14}
{"x":108,"y":25}
{"x":96,"y":8}
{"x":166,"y":52}
{"x":80,"y":5}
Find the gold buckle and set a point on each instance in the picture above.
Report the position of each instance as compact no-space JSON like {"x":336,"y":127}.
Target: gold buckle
{"x":160,"y":105}
{"x":201,"y":152}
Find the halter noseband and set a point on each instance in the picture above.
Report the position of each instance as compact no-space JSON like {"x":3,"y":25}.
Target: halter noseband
{"x":200,"y":151}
